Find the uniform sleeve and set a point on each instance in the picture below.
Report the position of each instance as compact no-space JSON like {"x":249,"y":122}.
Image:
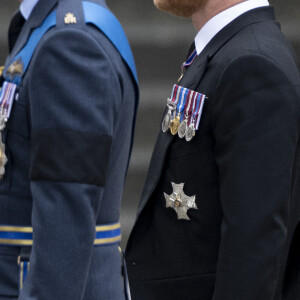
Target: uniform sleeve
{"x":256,"y":130}
{"x":72,"y":91}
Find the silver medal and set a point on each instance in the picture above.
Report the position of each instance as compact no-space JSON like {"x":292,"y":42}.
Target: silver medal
{"x":2,"y":121}
{"x":182,"y":128}
{"x":190,"y":132}
{"x":3,"y":158}
{"x":166,"y":122}
{"x":168,"y":117}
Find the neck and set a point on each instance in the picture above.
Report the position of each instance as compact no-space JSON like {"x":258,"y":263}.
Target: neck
{"x":210,"y":9}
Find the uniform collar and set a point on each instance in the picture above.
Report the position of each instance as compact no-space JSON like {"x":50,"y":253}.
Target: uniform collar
{"x":26,"y":7}
{"x":218,"y":22}
{"x":38,"y":15}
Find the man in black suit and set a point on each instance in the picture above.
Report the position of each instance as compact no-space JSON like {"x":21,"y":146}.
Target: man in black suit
{"x":220,"y":210}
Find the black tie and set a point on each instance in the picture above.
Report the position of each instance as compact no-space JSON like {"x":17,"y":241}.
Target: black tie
{"x":15,"y":28}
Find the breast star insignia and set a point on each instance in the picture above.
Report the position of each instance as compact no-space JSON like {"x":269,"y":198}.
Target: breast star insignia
{"x":180,"y":202}
{"x":16,"y":68}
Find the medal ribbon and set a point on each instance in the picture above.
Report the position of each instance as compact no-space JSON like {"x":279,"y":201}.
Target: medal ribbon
{"x":7,"y":98}
{"x":192,"y":113}
{"x":190,"y":60}
{"x":174,"y":92}
{"x":176,"y":97}
{"x":182,"y":97}
{"x":188,"y":107}
{"x":200,"y":104}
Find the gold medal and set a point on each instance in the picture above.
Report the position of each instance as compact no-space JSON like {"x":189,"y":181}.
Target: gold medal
{"x":174,"y":125}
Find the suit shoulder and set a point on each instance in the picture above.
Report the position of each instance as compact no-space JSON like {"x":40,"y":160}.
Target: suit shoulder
{"x":264,"y":43}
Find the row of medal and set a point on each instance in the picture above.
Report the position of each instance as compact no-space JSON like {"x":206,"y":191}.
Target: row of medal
{"x":7,"y":97}
{"x":184,"y":112}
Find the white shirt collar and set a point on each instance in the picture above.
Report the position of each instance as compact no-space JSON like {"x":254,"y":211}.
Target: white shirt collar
{"x":26,"y":7}
{"x":218,"y":22}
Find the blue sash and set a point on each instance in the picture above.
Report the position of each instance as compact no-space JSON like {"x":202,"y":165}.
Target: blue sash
{"x":94,"y":14}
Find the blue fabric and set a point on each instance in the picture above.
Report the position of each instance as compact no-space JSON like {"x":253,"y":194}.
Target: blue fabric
{"x":108,"y":234}
{"x":15,"y":235}
{"x":110,"y":26}
{"x":25,"y":270}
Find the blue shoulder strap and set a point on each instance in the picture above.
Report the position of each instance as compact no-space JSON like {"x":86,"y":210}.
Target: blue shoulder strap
{"x":94,"y":14}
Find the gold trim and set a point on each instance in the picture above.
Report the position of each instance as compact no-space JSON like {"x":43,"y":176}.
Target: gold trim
{"x":30,"y":230}
{"x":16,"y":229}
{"x":1,"y":70}
{"x":17,"y":242}
{"x":108,"y":227}
{"x":107,"y":241}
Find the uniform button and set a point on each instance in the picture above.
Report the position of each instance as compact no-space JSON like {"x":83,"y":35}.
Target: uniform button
{"x":134,"y":263}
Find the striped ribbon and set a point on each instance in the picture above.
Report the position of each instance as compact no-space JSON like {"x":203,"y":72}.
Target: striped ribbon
{"x":22,"y":236}
{"x":189,"y":102}
{"x":190,"y":60}
{"x":7,"y":97}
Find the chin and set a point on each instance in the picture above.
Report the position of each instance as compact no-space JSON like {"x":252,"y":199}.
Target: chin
{"x":180,"y":8}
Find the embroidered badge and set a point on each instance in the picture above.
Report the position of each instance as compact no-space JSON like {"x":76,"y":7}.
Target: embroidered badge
{"x":180,"y":202}
{"x":184,"y":112}
{"x":70,"y":18}
{"x":16,"y":68}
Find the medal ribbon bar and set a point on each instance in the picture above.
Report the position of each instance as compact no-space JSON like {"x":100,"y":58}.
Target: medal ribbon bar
{"x":184,"y":112}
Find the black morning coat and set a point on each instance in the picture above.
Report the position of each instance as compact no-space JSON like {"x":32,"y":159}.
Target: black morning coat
{"x":243,"y":242}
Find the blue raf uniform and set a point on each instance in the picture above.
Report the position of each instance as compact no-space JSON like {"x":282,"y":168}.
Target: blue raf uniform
{"x":68,"y":104}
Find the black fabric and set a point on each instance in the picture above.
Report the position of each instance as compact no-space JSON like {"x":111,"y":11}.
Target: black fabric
{"x":69,"y":156}
{"x":15,"y":28}
{"x":292,"y":278}
{"x":181,"y":288}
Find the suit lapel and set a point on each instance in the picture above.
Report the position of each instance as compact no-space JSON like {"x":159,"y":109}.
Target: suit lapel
{"x":191,"y":80}
{"x":38,"y":15}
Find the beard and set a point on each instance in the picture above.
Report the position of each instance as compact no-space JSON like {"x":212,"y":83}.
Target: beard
{"x":180,"y":8}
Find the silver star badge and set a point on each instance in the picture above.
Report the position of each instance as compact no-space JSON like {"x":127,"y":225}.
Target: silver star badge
{"x":180,"y":202}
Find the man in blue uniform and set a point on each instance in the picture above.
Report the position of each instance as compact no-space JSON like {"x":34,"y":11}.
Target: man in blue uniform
{"x":68,"y":102}
{"x":219,"y":217}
